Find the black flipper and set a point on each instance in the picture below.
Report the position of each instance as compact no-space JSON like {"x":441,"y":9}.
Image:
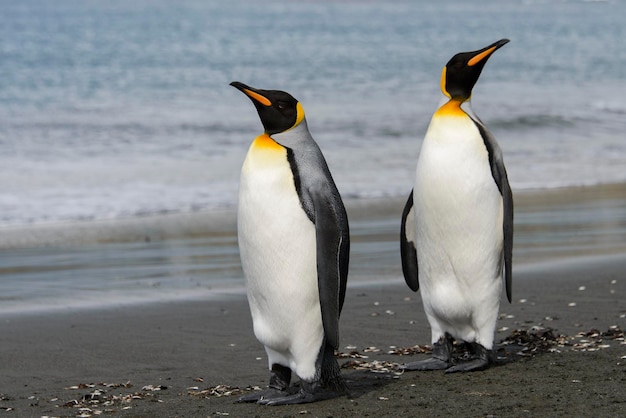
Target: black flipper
{"x":333,"y":253}
{"x":408,"y":252}
{"x":498,"y":171}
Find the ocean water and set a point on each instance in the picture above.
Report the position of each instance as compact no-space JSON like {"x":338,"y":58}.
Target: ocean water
{"x":120,"y":109}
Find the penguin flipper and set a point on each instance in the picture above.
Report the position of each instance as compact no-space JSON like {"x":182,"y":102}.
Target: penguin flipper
{"x":499,"y":174}
{"x":408,"y":253}
{"x":498,"y":171}
{"x":333,"y":253}
{"x":507,"y":201}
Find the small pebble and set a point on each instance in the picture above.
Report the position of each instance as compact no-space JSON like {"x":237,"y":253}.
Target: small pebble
{"x":582,"y":288}
{"x":571,"y":304}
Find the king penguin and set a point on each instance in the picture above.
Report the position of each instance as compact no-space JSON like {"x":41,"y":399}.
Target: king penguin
{"x":457,"y":225}
{"x":294,"y":244}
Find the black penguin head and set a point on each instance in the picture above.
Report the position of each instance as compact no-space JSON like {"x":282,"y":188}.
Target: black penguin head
{"x":278,"y":110}
{"x":462,"y":71}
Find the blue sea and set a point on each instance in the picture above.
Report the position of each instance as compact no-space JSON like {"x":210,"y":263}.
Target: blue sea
{"x":117,"y":109}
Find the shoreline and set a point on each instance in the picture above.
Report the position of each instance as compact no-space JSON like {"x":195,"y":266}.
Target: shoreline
{"x":219,"y":221}
{"x":182,"y":257}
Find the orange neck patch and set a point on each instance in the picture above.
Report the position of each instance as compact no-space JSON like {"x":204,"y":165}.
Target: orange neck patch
{"x":264,"y":141}
{"x":451,"y":108}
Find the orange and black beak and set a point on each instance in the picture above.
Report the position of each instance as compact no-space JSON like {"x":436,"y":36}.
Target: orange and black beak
{"x":278,"y":110}
{"x":462,"y":71}
{"x":257,"y":95}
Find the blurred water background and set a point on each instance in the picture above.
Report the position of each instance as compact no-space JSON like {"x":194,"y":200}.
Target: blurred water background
{"x":119,"y":110}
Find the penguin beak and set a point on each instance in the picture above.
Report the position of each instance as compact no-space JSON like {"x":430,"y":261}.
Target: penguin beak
{"x":482,"y":54}
{"x":252,"y":93}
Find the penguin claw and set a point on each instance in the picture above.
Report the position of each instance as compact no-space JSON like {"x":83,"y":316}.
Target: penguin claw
{"x":428,"y":364}
{"x":263,"y":396}
{"x":298,"y":398}
{"x":469,"y":366}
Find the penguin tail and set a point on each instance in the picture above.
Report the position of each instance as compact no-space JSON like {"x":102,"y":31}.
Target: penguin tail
{"x":330,"y":377}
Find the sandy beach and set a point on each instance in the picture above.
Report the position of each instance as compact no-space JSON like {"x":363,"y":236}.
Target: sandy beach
{"x":173,"y":358}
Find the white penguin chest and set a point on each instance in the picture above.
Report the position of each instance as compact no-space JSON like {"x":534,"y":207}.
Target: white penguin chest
{"x":276,"y":237}
{"x":454,"y":154}
{"x":458,"y":207}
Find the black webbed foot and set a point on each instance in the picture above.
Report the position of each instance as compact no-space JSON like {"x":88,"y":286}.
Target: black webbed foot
{"x":263,"y":395}
{"x":424,"y":365}
{"x":480,"y":361}
{"x":280,"y":378}
{"x":441,"y":359}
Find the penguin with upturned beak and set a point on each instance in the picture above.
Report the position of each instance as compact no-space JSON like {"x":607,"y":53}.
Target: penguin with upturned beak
{"x":294,"y":243}
{"x":457,"y":225}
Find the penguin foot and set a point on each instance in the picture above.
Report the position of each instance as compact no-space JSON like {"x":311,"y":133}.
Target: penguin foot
{"x":469,"y":366}
{"x":424,"y":365}
{"x":441,"y":359}
{"x":263,"y":396}
{"x":481,"y":362}
{"x":297,"y":398}
{"x":280,"y":377}
{"x":309,"y":392}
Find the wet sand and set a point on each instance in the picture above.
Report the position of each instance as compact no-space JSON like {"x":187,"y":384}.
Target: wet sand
{"x":162,"y":359}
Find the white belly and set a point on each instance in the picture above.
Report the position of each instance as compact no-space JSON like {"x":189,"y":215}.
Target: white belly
{"x":458,"y":214}
{"x":277,"y":244}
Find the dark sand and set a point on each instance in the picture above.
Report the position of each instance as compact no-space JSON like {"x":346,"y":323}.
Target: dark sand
{"x":49,"y":362}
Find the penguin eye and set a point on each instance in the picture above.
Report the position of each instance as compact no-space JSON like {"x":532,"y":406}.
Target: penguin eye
{"x":281,"y":105}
